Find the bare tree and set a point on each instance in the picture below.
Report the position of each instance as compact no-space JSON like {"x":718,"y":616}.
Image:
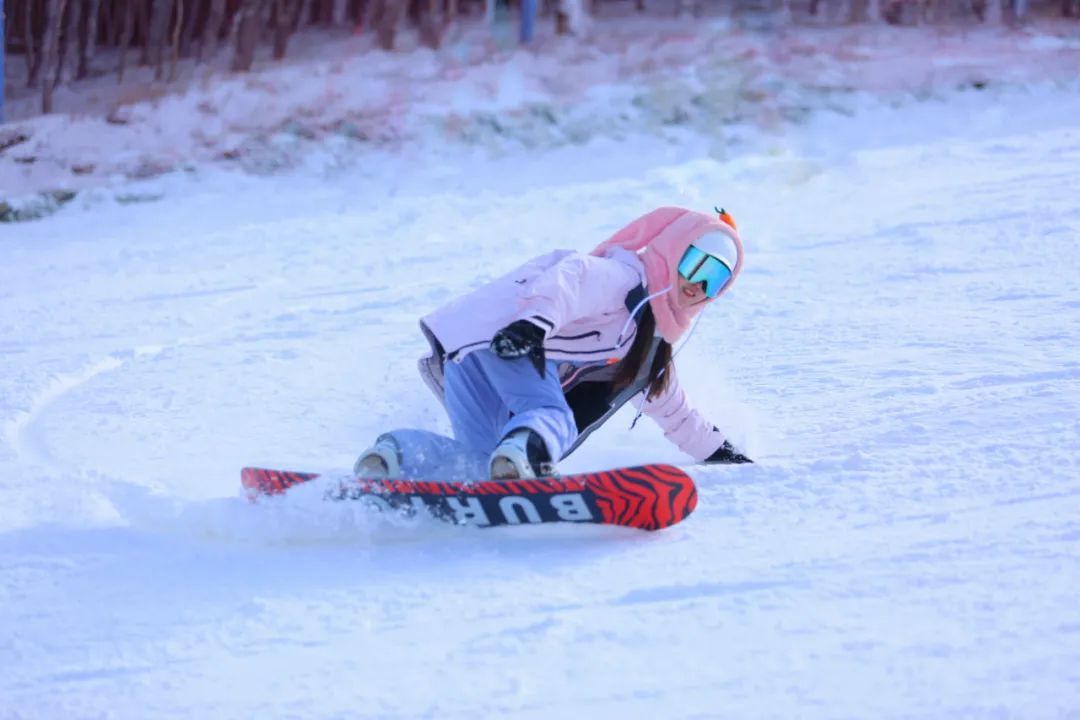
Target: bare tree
{"x":69,"y":29}
{"x":303,"y":16}
{"x":143,"y":11}
{"x":54,"y":15}
{"x":160,"y":12}
{"x":246,"y":24}
{"x":88,"y":37}
{"x":61,"y":38}
{"x":212,"y":30}
{"x":110,"y":27}
{"x":286,"y":18}
{"x":33,"y":56}
{"x":432,"y":22}
{"x":383,"y":16}
{"x":125,"y":38}
{"x":187,"y":35}
{"x":177,"y":30}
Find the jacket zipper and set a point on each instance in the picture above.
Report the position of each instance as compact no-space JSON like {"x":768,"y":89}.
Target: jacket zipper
{"x":582,"y":336}
{"x":627,"y":339}
{"x":453,"y":355}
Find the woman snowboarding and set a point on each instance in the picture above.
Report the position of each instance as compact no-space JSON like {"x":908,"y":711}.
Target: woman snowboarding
{"x":530,"y":364}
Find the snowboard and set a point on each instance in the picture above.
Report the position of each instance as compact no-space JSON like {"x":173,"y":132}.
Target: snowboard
{"x":646,"y":497}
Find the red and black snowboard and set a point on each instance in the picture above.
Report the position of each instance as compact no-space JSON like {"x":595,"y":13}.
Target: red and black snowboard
{"x":647,"y":497}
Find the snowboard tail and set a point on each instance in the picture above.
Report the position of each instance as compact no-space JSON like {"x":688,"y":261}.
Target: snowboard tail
{"x":647,"y":497}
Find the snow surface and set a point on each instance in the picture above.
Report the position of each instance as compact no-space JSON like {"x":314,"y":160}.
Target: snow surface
{"x":900,"y":356}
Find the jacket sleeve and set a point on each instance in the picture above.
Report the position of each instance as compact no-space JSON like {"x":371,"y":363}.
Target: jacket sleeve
{"x":681,"y":424}
{"x":575,"y":287}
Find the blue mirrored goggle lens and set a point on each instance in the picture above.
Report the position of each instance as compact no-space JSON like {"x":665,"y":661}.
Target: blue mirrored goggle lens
{"x":698,"y":266}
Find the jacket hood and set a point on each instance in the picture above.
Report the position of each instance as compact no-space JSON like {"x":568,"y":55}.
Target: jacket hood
{"x":661,"y":237}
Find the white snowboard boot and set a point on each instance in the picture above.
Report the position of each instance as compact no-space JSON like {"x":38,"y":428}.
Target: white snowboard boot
{"x":521,"y":455}
{"x":382,"y":460}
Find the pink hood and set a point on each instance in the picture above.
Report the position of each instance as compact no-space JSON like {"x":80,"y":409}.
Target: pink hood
{"x":660,"y":238}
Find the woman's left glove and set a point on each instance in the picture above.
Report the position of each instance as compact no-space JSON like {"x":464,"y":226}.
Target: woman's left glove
{"x":521,"y":339}
{"x":727,"y":455}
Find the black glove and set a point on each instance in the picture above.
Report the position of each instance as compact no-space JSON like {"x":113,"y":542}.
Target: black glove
{"x":727,"y":455}
{"x":521,"y":339}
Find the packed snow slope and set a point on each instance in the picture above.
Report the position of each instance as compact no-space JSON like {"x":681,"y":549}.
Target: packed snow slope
{"x":900,"y":356}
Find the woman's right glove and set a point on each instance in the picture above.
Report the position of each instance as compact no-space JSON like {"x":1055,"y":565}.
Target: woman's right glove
{"x":727,"y":455}
{"x":521,"y":339}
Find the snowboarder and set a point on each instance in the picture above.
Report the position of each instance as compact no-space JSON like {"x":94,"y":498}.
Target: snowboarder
{"x":530,"y":364}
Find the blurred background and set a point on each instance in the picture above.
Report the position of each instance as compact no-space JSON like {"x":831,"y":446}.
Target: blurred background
{"x":221,"y":219}
{"x":92,"y":87}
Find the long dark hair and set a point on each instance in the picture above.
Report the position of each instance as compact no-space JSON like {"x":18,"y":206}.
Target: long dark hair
{"x":638,"y":354}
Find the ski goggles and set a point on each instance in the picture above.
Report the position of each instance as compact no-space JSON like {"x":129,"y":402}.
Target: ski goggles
{"x":698,"y":266}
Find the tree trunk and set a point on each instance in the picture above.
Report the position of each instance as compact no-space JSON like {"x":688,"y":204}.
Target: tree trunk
{"x":247,"y":35}
{"x":33,"y":56}
{"x":142,"y":28}
{"x":212,"y":30}
{"x":383,"y":17}
{"x":54,"y":15}
{"x":284,"y":25}
{"x":432,"y":30}
{"x":93,"y":30}
{"x":178,"y":28}
{"x":303,"y":15}
{"x":69,"y":26}
{"x":191,"y":17}
{"x":340,"y":6}
{"x":160,"y":14}
{"x":108,"y":26}
{"x":88,"y":37}
{"x":125,"y":39}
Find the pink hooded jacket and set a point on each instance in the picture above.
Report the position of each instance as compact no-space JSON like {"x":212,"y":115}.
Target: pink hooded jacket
{"x":580,"y":302}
